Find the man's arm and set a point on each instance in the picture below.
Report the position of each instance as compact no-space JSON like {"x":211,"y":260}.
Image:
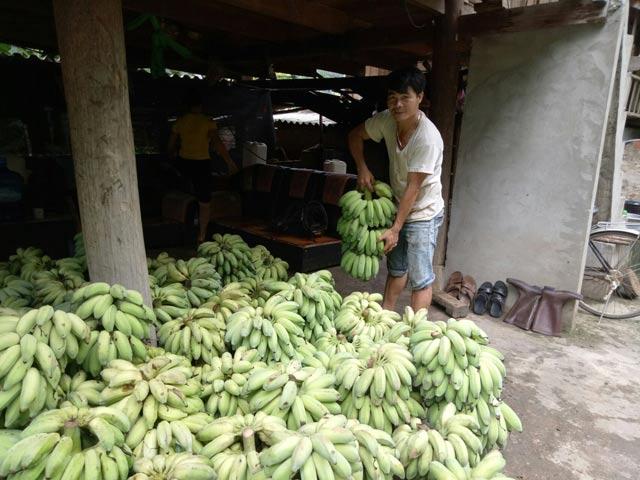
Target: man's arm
{"x":172,"y":147}
{"x":357,"y":136}
{"x":414,"y":181}
{"x":222,"y":150}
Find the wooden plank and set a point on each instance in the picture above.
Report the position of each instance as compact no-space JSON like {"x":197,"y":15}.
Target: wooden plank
{"x":564,"y":12}
{"x":445,"y":87}
{"x":455,"y":308}
{"x":94,"y":71}
{"x":307,"y":13}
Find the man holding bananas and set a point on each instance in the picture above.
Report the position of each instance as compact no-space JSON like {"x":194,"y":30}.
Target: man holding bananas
{"x":415,"y":150}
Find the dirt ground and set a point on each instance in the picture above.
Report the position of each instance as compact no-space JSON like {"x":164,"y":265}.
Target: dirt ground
{"x":578,"y":396}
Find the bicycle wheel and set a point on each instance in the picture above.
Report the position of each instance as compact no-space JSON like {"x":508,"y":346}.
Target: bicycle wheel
{"x":611,"y":280}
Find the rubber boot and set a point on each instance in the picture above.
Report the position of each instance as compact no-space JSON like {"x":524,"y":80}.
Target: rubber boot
{"x":522,"y":313}
{"x":548,"y":317}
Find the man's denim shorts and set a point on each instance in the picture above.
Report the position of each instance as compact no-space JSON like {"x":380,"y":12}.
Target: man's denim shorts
{"x":414,"y":252}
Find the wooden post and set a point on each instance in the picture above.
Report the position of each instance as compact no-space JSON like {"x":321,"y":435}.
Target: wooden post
{"x":91,"y":41}
{"x":444,"y":90}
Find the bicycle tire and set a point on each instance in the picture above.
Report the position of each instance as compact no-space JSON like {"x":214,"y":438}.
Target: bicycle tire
{"x":615,"y":238}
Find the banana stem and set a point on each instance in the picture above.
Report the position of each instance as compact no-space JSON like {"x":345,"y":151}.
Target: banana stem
{"x":248,"y":440}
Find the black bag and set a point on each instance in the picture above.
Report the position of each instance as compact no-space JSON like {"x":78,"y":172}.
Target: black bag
{"x":303,"y":219}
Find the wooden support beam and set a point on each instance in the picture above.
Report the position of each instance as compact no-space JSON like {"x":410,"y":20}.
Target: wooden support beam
{"x":445,"y":89}
{"x":561,"y":13}
{"x":91,"y":41}
{"x":308,"y":13}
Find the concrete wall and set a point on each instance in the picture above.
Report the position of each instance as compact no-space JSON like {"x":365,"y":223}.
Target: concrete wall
{"x":531,"y":141}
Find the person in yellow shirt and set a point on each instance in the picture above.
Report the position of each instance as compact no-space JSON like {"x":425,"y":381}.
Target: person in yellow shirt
{"x":191,"y":136}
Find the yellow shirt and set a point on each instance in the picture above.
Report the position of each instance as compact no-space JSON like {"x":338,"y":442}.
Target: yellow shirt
{"x":193,"y":130}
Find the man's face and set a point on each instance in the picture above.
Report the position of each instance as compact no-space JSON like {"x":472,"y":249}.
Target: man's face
{"x":403,"y":105}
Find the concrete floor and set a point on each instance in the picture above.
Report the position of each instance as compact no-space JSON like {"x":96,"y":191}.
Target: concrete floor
{"x":578,"y":396}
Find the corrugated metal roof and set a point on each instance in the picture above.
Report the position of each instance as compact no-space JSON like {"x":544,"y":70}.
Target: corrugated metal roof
{"x":301,"y":117}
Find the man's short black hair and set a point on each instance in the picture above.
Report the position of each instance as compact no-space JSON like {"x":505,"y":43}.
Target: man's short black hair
{"x":402,"y":78}
{"x":193,"y":98}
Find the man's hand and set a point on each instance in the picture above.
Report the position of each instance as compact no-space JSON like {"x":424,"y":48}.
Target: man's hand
{"x":365,"y":179}
{"x":390,"y":239}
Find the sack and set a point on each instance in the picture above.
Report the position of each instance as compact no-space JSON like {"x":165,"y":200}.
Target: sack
{"x":303,"y":219}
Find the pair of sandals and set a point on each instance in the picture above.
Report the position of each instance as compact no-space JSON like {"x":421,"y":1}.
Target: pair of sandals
{"x":491,"y":298}
{"x":462,"y":287}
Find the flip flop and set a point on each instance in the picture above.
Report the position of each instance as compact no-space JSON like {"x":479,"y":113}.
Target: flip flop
{"x":481,"y":300}
{"x":498,"y":297}
{"x":454,"y":284}
{"x":468,"y":290}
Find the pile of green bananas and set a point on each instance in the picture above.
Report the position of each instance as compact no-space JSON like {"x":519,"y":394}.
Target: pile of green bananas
{"x":294,"y":393}
{"x":79,"y":251}
{"x":175,"y":466}
{"x":222,"y":382}
{"x":331,"y":342}
{"x":157,"y":267}
{"x":233,"y":443}
{"x":375,"y":385}
{"x":198,"y":277}
{"x":197,"y":335}
{"x":230,"y":255}
{"x":256,"y":289}
{"x":169,"y":302}
{"x":229,"y":300}
{"x":454,"y":363}
{"x":119,"y":320}
{"x":362,"y":314}
{"x":34,"y":265}
{"x":22,"y":257}
{"x":71,"y":442}
{"x":317,"y":297}
{"x":489,"y":468}
{"x":274,"y":330}
{"x":165,"y":438}
{"x":267,"y":266}
{"x":363,"y":220}
{"x":55,"y":286}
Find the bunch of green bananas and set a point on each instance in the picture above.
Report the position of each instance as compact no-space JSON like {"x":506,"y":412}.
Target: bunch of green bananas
{"x":229,"y":300}
{"x":175,"y":466}
{"x":418,"y":444}
{"x":55,"y":286}
{"x":8,"y":438}
{"x":16,"y":292}
{"x":267,"y":266}
{"x":495,"y":418}
{"x":80,"y":391}
{"x":274,"y":330}
{"x":165,"y":438}
{"x":223,"y":379}
{"x":169,"y":302}
{"x":363,"y":220}
{"x":34,"y":349}
{"x":22,"y":257}
{"x":120,"y":321}
{"x":35,"y":264}
{"x":454,"y":364}
{"x":331,"y":342}
{"x":318,"y":299}
{"x":242,"y":436}
{"x":294,"y":393}
{"x":197,"y":335}
{"x":163,"y":388}
{"x":257,"y":290}
{"x":375,"y":385}
{"x":198,"y":276}
{"x":401,"y":331}
{"x":333,"y":448}
{"x":377,"y":452}
{"x":230,"y":255}
{"x":61,"y":443}
{"x":489,"y":468}
{"x":362,"y":314}
{"x":157,"y":267}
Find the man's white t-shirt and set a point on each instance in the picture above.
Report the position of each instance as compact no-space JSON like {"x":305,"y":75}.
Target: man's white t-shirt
{"x":423,"y":153}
